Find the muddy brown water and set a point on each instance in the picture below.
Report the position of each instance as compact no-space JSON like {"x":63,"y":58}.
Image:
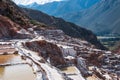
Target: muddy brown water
{"x":15,"y":72}
{"x":4,"y":59}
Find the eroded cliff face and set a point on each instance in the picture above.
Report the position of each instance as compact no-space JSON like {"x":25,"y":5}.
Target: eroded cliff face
{"x":12,"y":20}
{"x":12,"y":30}
{"x":7,"y":27}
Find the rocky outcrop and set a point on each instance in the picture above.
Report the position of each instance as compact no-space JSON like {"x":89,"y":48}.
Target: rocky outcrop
{"x":12,"y":11}
{"x":95,"y":58}
{"x":13,"y":20}
{"x":17,"y":15}
{"x":10,"y":29}
{"x":48,"y":51}
{"x":7,"y":27}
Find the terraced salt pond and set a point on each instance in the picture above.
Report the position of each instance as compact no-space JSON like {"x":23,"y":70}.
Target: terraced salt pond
{"x":10,"y":59}
{"x":18,"y":70}
{"x":73,"y":73}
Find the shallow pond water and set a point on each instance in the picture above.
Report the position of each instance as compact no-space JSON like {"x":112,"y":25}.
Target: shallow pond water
{"x":15,"y":72}
{"x":4,"y":59}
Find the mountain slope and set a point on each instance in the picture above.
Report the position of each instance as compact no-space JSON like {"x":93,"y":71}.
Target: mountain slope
{"x":100,"y":16}
{"x":11,"y":10}
{"x":13,"y":21}
{"x":67,"y":27}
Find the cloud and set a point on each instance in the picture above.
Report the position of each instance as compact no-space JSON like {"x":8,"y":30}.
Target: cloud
{"x":26,"y":2}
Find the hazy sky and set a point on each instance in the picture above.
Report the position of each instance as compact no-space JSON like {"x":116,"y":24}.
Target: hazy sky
{"x":25,"y":2}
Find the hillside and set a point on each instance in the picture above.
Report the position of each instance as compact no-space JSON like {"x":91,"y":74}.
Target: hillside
{"x":67,"y":27}
{"x":11,"y":10}
{"x":14,"y":22}
{"x":103,"y":16}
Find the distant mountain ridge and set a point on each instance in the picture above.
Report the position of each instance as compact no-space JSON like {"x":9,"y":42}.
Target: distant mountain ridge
{"x":100,"y":16}
{"x":26,"y":2}
{"x":62,"y":7}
